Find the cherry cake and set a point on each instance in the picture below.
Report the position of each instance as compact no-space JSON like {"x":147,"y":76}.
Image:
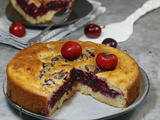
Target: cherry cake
{"x":40,"y":11}
{"x":40,"y":78}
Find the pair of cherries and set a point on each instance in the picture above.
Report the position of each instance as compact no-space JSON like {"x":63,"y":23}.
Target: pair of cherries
{"x":72,"y":50}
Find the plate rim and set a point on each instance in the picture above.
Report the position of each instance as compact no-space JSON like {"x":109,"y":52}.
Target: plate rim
{"x":41,"y":25}
{"x":143,"y":97}
{"x":124,"y":111}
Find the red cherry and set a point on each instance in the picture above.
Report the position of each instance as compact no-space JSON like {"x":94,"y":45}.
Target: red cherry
{"x":71,"y":50}
{"x":17,"y":29}
{"x":92,"y":30}
{"x":106,"y":61}
{"x":110,"y":42}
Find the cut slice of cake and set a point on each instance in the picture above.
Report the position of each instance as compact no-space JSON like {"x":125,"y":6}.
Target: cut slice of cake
{"x":40,"y":11}
{"x":39,"y":78}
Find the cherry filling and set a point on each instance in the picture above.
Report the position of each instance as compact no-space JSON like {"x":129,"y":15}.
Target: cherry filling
{"x":34,"y":11}
{"x":85,"y":78}
{"x":62,"y":90}
{"x":91,"y":80}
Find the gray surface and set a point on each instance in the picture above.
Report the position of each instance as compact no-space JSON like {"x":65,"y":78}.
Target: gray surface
{"x":143,"y":46}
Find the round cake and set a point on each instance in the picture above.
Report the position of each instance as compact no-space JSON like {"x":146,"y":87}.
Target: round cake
{"x":39,"y":78}
{"x":40,"y":11}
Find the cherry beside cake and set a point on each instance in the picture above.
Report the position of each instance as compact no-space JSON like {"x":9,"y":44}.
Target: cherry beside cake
{"x":40,"y":11}
{"x":42,"y":76}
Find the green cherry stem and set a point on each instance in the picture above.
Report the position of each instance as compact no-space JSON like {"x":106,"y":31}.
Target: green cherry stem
{"x":100,"y":50}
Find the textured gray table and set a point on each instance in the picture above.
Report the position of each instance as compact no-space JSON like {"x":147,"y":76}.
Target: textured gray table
{"x":143,"y":46}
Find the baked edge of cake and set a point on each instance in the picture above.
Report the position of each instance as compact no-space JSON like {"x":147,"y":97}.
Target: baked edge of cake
{"x":130,"y":95}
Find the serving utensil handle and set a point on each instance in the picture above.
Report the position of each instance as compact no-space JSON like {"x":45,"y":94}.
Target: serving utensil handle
{"x":146,"y":7}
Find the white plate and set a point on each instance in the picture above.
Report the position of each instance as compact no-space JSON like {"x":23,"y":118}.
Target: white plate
{"x":85,"y":107}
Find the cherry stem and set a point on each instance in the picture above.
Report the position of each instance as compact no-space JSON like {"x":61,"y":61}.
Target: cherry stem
{"x":103,"y":26}
{"x":94,"y":48}
{"x":125,"y":51}
{"x":100,"y":50}
{"x":86,"y":41}
{"x":83,"y":42}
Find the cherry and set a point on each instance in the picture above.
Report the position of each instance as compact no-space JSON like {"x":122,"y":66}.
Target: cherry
{"x":17,"y":29}
{"x":71,"y":50}
{"x":110,"y":42}
{"x":106,"y":61}
{"x":92,"y":30}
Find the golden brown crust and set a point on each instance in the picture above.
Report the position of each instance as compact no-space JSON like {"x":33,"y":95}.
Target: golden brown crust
{"x":19,"y":96}
{"x":23,"y":74}
{"x":40,"y":2}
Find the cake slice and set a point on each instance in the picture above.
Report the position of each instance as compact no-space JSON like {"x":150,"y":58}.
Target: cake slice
{"x":40,"y":11}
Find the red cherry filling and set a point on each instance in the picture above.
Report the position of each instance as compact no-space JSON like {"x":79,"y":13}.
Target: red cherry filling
{"x":35,"y":11}
{"x":106,"y":61}
{"x":71,"y":50}
{"x":95,"y":83}
{"x":92,"y":30}
{"x":62,"y":90}
{"x":85,"y":78}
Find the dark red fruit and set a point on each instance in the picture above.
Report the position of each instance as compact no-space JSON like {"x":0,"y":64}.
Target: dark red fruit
{"x":71,"y":50}
{"x":92,"y":30}
{"x":17,"y":29}
{"x":110,"y":42}
{"x":106,"y":61}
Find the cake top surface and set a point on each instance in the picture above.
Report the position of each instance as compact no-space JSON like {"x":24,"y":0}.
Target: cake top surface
{"x":39,"y":2}
{"x":41,"y":62}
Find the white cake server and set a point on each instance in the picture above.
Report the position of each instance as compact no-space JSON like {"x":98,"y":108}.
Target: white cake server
{"x":121,"y":31}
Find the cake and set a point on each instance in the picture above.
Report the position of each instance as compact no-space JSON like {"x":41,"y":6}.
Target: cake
{"x":40,"y":11}
{"x":40,"y":79}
